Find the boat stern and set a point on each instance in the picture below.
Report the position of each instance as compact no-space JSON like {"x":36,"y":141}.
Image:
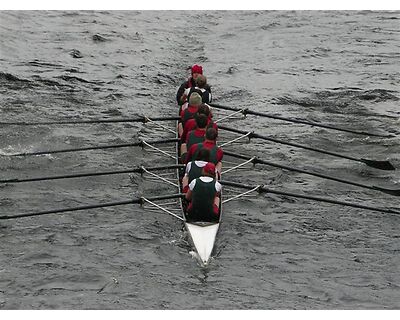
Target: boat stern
{"x":203,"y":236}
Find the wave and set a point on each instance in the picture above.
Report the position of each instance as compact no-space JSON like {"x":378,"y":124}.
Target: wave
{"x":76,"y":54}
{"x":99,"y":38}
{"x":74,"y":78}
{"x":11,"y":78}
{"x":339,"y":97}
{"x":47,"y":82}
{"x":38,"y":63}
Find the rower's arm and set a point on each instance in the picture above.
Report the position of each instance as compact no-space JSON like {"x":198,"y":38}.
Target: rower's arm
{"x":189,"y":195}
{"x":190,"y":153}
{"x":180,"y":92}
{"x":218,"y":167}
{"x":189,"y":192}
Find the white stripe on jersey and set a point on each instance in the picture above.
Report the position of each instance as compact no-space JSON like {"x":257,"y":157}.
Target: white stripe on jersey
{"x":218,"y":186}
{"x":198,"y":163}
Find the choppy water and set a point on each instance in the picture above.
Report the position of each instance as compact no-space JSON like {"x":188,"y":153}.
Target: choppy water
{"x":337,"y":67}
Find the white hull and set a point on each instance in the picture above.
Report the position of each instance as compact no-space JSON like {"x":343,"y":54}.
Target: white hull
{"x":203,"y":236}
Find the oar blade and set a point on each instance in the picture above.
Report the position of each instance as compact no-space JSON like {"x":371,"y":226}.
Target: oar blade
{"x":379,"y":164}
{"x":394,"y":210}
{"x":9,"y":180}
{"x":393,"y":192}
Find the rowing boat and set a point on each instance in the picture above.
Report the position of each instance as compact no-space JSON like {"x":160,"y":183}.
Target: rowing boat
{"x":202,"y":234}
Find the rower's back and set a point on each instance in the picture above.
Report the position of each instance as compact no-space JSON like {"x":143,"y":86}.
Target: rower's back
{"x":195,"y":168}
{"x":198,"y":134}
{"x":204,"y":195}
{"x":203,"y":200}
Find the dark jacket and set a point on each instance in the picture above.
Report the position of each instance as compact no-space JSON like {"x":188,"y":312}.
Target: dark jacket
{"x":187,"y":84}
{"x":205,"y":94}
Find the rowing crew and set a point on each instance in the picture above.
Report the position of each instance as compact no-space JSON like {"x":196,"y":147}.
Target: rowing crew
{"x":199,"y":150}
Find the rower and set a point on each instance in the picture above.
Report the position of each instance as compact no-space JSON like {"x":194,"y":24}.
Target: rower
{"x":189,"y":112}
{"x":201,"y":88}
{"x":210,"y":143}
{"x":196,"y":135}
{"x":196,"y":70}
{"x":193,"y":168}
{"x":204,"y":194}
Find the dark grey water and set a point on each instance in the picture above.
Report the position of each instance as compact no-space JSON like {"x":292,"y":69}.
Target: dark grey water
{"x":337,"y":67}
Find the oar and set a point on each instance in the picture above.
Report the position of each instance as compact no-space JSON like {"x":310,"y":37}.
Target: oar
{"x":394,"y":192}
{"x":91,"y":174}
{"x":93,"y":206}
{"x":124,"y":145}
{"x":302,"y":196}
{"x":378,"y":164}
{"x":140,"y":119}
{"x":311,"y":123}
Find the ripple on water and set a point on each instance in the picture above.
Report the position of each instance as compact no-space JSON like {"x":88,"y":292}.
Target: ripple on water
{"x":272,"y":252}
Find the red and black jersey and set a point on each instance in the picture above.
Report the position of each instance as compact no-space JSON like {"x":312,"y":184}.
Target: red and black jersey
{"x":193,"y":169}
{"x":191,"y":125}
{"x":202,"y":208}
{"x":188,"y":113}
{"x":216,"y":153}
{"x":194,"y":137}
